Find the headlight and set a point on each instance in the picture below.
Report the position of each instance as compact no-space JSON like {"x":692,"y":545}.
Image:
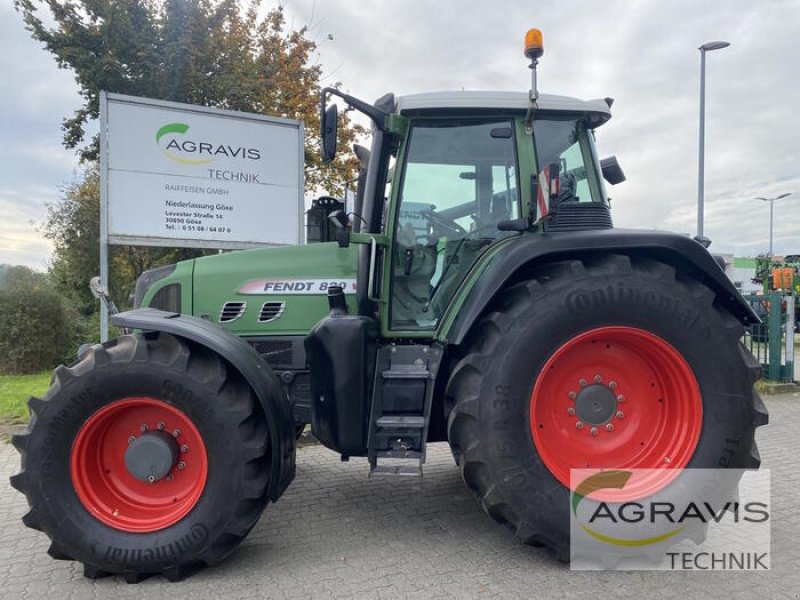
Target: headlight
{"x":146,"y":281}
{"x":168,"y":298}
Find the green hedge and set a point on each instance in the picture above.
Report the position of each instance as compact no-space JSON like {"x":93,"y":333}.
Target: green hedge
{"x":36,"y":328}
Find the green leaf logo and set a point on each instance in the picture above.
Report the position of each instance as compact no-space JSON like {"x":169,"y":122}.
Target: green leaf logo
{"x":171,"y":128}
{"x":173,"y":145}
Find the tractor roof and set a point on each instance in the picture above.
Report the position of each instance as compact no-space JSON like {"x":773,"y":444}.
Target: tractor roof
{"x":431,"y":101}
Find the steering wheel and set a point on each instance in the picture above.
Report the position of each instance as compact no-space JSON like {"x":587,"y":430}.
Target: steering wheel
{"x":447,"y":227}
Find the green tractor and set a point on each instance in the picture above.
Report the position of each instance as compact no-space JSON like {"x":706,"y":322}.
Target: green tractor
{"x":477,"y":295}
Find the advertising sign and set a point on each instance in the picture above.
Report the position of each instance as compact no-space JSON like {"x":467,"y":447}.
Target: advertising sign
{"x":182,"y":175}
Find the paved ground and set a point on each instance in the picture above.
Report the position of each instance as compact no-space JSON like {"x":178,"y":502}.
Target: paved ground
{"x":338,"y":534}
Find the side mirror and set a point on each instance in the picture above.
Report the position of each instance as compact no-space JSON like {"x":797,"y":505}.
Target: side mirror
{"x":342,"y":224}
{"x":612,"y":172}
{"x":328,"y":132}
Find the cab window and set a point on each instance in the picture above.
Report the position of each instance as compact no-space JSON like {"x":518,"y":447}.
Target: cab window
{"x":459,"y":181}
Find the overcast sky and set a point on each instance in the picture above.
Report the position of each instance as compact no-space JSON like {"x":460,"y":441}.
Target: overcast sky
{"x":641,"y":53}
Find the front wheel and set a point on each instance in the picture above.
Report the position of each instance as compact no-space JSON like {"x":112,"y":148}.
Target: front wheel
{"x":608,"y":363}
{"x":149,"y":455}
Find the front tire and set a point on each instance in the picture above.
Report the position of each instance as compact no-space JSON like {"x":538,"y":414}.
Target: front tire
{"x":541,"y":388}
{"x":93,"y":459}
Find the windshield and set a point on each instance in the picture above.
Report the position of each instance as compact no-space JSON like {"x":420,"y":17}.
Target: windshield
{"x":459,"y":181}
{"x":567,"y":143}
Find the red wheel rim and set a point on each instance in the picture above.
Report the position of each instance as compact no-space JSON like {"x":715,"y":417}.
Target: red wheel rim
{"x":617,"y":398}
{"x":110,"y":492}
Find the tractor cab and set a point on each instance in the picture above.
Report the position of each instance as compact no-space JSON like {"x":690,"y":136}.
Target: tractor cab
{"x":450,"y":179}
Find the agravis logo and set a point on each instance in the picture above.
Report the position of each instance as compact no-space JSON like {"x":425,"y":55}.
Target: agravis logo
{"x":715,"y":519}
{"x":186,"y":151}
{"x":605,"y":480}
{"x":665,"y":513}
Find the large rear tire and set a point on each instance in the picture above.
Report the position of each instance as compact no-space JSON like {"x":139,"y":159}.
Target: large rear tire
{"x":149,"y":455}
{"x":542,"y":380}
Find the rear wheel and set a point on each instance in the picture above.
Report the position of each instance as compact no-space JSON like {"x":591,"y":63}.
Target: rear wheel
{"x":612,"y":362}
{"x":150,"y":455}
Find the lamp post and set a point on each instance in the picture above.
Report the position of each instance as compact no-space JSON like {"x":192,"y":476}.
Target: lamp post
{"x":708,"y":46}
{"x":771,"y":213}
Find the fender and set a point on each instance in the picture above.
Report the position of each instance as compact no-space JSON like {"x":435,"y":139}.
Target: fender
{"x":251,"y":366}
{"x":679,"y":251}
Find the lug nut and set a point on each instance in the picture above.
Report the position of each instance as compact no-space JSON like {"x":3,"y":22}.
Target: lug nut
{"x":620,"y":398}
{"x":620,"y":414}
{"x":572,"y":395}
{"x":582,"y":382}
{"x":168,"y":477}
{"x":130,"y":439}
{"x":612,"y":384}
{"x":571,"y":411}
{"x":185,"y":448}
{"x":176,"y":432}
{"x":181,"y":466}
{"x":151,"y":479}
{"x":578,"y":425}
{"x":142,"y":427}
{"x":597,"y":379}
{"x":160,"y":426}
{"x":610,"y":427}
{"x":593,"y":430}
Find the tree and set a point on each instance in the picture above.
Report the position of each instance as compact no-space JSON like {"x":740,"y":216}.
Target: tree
{"x":20,"y":275}
{"x":206,"y":52}
{"x":36,"y":326}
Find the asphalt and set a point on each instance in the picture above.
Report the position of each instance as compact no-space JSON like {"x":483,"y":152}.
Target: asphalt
{"x":338,"y":534}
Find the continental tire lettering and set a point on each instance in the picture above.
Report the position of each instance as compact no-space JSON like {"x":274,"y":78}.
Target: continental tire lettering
{"x":61,"y":421}
{"x":501,"y":399}
{"x":732,"y":447}
{"x":197,"y":535}
{"x":581,"y":301}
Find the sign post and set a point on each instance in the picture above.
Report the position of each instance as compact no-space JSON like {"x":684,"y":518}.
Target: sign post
{"x":178,"y":175}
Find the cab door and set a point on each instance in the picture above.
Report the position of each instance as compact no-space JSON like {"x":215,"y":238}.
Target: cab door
{"x":458,"y":178}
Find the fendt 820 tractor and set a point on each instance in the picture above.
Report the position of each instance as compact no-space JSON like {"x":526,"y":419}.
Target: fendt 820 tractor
{"x":477,"y":295}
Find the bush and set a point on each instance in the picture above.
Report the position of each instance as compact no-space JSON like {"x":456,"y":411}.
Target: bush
{"x":36,"y":330}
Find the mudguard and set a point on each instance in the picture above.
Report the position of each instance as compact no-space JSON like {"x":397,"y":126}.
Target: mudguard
{"x":679,"y":251}
{"x":253,"y":368}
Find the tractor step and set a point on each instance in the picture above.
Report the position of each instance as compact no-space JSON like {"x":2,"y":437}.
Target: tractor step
{"x":401,"y":421}
{"x":406,"y":373}
{"x":401,"y":407}
{"x":397,"y":470}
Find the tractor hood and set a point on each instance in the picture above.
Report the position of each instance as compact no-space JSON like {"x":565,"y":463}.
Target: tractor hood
{"x":266,"y":291}
{"x":270,"y":291}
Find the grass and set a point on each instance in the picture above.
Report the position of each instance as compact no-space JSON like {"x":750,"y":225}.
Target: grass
{"x":14,"y":393}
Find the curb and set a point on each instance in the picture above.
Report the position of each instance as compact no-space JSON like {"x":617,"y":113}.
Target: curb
{"x":771,"y":387}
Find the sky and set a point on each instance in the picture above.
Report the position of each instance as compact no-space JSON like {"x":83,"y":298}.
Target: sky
{"x":642,"y":53}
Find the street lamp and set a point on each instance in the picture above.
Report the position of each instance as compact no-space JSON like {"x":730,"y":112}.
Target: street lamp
{"x":771,"y":204}
{"x":708,"y":46}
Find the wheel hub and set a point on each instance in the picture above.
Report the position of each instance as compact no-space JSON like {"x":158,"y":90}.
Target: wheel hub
{"x":595,"y":404}
{"x":152,"y":456}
